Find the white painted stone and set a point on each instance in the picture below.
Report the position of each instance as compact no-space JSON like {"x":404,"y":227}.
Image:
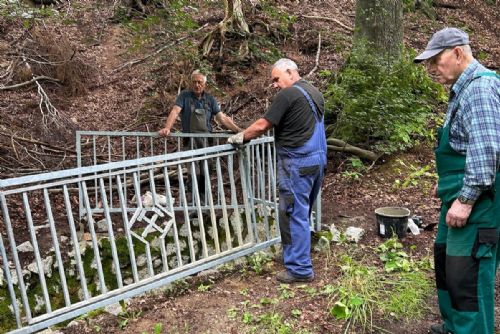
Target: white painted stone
{"x":46,"y":264}
{"x":25,"y":247}
{"x":102,"y":225}
{"x":63,"y":239}
{"x":39,"y":303}
{"x":141,"y":260}
{"x":354,"y":234}
{"x":114,"y":309}
{"x":335,"y":233}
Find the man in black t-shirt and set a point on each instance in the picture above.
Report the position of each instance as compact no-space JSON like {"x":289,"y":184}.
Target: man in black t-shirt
{"x":296,"y":114}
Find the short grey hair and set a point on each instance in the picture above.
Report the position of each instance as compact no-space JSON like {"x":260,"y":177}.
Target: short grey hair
{"x":198,"y":72}
{"x":286,"y":64}
{"x":466,"y":49}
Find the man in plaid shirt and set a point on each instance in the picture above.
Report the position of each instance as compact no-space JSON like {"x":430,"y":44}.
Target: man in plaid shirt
{"x":466,"y":251}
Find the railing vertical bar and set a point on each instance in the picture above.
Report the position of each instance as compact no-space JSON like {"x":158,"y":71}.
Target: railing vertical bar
{"x":110,"y":178}
{"x":10,"y":284}
{"x":95,"y":246}
{"x":260,"y":188}
{"x":171,"y":207}
{"x":36,"y":250}
{"x":126,"y":227}
{"x":213,"y":218}
{"x":111,"y":235}
{"x":95,"y":164}
{"x":152,"y":146}
{"x":220,"y":187}
{"x":246,"y":189}
{"x":137,"y":147}
{"x":12,"y":242}
{"x":60,"y":264}
{"x":234,"y":200}
{"x":196,"y":195}
{"x":186,"y":214}
{"x":124,"y":157}
{"x":79,"y":164}
{"x":272,"y":174}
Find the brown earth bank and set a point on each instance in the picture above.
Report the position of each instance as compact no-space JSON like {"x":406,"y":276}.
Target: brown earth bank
{"x":97,"y":92}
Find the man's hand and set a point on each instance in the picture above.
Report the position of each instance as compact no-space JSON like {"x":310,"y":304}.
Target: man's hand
{"x":164,"y":132}
{"x":458,"y":214}
{"x":237,"y":139}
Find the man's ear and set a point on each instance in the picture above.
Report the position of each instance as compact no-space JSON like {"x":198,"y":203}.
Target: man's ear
{"x":459,"y":53}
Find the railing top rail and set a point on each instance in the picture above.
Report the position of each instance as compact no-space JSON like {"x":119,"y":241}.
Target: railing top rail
{"x":82,"y":171}
{"x":222,"y":134}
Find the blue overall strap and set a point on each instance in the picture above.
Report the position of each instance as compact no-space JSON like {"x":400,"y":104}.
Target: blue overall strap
{"x":311,"y":103}
{"x":488,"y":74}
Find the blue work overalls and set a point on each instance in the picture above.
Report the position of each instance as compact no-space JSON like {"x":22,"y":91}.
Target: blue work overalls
{"x":300,"y":174}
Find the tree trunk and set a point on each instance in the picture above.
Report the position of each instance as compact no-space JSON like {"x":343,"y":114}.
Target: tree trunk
{"x":380,"y":24}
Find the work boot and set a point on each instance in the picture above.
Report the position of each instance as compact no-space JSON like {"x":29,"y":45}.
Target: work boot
{"x":286,"y":277}
{"x":438,"y":329}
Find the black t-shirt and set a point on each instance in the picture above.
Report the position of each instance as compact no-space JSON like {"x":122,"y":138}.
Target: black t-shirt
{"x":292,"y":116}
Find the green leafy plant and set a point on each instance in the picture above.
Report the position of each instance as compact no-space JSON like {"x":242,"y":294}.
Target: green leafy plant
{"x":410,"y":292}
{"x":357,"y":294}
{"x":258,"y":261}
{"x":204,"y":287}
{"x":383,"y":107}
{"x":416,"y":174}
{"x":395,"y":259}
{"x":286,"y":292}
{"x":126,"y":316}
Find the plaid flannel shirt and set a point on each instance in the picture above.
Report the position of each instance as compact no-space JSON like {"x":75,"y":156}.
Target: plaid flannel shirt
{"x":474,"y":112}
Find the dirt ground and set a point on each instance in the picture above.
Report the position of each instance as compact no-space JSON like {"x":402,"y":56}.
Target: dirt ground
{"x":138,"y":98}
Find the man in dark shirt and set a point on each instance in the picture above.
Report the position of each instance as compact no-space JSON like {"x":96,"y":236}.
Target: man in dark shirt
{"x":197,"y":109}
{"x":297,"y":117}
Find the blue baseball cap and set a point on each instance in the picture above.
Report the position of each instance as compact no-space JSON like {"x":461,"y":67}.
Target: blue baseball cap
{"x":441,"y":40}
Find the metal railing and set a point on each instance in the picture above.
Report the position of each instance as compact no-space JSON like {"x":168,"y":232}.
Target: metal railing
{"x":138,"y":212}
{"x":97,"y":147}
{"x":106,"y":232}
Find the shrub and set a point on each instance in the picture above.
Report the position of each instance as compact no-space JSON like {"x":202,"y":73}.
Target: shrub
{"x":381,"y":106}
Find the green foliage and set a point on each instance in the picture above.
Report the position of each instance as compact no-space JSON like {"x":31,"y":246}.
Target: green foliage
{"x":395,"y":259}
{"x":156,"y":329}
{"x":415,"y":176}
{"x":410,"y":292}
{"x":12,"y":9}
{"x":385,"y":107}
{"x":355,"y":169}
{"x":278,"y":16}
{"x":258,"y":262}
{"x":357,"y":293}
{"x":175,"y":19}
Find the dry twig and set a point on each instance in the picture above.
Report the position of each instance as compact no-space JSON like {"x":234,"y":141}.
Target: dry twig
{"x":35,"y":79}
{"x":160,"y":50}
{"x":317,"y":56}
{"x":329,"y":19}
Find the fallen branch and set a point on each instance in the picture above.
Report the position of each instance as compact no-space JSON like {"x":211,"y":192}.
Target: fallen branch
{"x":341,"y":146}
{"x":163,"y":48}
{"x":32,"y":141}
{"x":317,"y":56}
{"x":26,"y":83}
{"x":329,"y":19}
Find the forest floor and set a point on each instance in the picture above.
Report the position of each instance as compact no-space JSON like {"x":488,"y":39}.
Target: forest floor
{"x":99,"y":93}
